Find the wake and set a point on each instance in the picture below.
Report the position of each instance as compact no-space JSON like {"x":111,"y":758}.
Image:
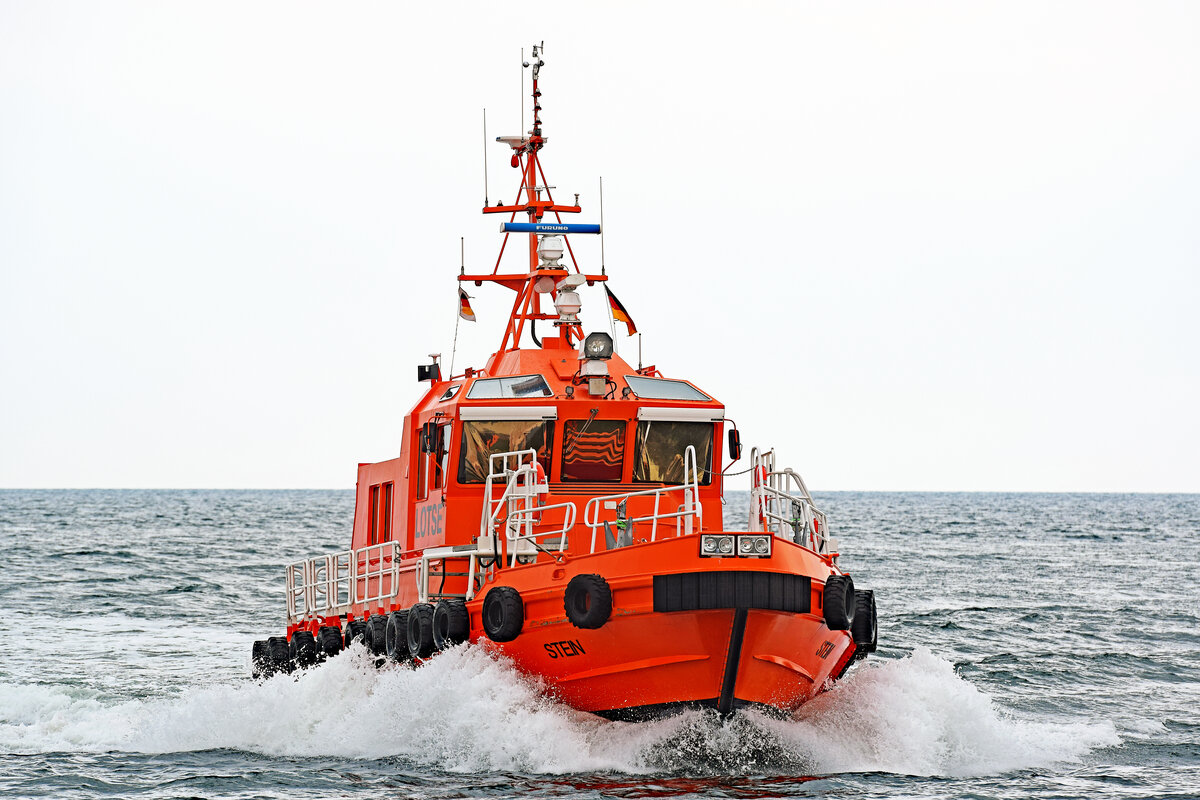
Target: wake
{"x":469,"y":711}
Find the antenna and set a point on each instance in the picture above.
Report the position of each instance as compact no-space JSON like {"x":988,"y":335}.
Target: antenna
{"x":462,"y":252}
{"x":523,"y":63}
{"x":602,"y":270}
{"x":485,"y":191}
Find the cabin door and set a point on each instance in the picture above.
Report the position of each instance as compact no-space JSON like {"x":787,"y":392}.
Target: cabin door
{"x":432,"y":473}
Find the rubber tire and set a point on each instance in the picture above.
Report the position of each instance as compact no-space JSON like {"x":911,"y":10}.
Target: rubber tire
{"x":278,"y":655}
{"x":258,"y":659}
{"x":420,"y":630}
{"x":355,"y":630}
{"x":503,"y":614}
{"x":838,"y":602}
{"x":329,"y":641}
{"x":865,"y":627}
{"x":303,"y":649}
{"x":451,"y":623}
{"x":397,"y":636}
{"x":375,"y":635}
{"x":588,"y":601}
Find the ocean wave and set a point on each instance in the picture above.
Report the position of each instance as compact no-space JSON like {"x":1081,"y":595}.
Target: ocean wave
{"x":469,"y":710}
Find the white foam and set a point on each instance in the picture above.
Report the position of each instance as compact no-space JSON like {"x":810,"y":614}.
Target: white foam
{"x":467,"y":710}
{"x":916,"y":716}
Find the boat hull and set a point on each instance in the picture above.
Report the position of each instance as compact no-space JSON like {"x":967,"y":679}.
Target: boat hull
{"x":711,"y":632}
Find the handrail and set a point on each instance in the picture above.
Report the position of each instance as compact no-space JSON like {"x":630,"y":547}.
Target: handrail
{"x":519,"y":503}
{"x":781,"y":504}
{"x":330,"y":584}
{"x":690,"y":509}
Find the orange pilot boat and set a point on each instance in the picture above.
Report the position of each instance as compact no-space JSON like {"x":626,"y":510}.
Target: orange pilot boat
{"x":565,"y":508}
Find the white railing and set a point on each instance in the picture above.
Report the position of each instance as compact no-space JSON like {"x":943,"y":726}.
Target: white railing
{"x":377,"y":572}
{"x":781,"y":504}
{"x":320,"y":584}
{"x":686,"y":515}
{"x":520,"y":508}
{"x":436,"y":562}
{"x":328,"y":585}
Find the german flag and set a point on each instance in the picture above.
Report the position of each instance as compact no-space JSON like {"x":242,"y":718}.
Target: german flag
{"x":619,"y":313}
{"x":464,"y":306}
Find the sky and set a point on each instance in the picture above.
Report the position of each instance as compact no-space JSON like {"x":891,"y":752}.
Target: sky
{"x":911,"y":245}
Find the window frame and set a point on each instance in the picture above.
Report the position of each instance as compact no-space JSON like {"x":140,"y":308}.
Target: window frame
{"x":705,"y":468}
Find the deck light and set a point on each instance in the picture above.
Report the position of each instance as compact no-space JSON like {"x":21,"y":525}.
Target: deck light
{"x":754,"y":545}
{"x":716,"y":545}
{"x":598,"y":345}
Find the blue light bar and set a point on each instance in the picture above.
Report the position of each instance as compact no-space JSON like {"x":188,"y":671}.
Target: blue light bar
{"x":547,"y":227}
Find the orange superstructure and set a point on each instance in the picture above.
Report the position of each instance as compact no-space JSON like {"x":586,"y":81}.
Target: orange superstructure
{"x":565,"y":507}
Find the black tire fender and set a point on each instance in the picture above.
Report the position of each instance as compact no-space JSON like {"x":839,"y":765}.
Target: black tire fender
{"x":420,"y":630}
{"x":451,"y":623}
{"x":329,"y":641}
{"x":303,"y":649}
{"x":259,"y":666}
{"x":503,"y":614}
{"x":837,"y":602}
{"x":278,"y":655}
{"x":396,"y":636}
{"x":865,"y":627}
{"x":355,"y":631}
{"x":588,"y":601}
{"x":375,"y":635}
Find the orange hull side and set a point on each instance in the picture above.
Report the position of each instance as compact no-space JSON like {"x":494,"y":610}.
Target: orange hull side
{"x":643,"y":660}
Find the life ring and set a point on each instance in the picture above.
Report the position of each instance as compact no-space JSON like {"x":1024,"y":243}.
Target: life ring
{"x":838,"y":602}
{"x":588,"y":601}
{"x":760,"y":480}
{"x":503,"y":614}
{"x":539,"y":474}
{"x":420,"y":630}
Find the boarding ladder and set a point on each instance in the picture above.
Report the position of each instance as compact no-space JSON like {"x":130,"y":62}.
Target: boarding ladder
{"x":518,"y":509}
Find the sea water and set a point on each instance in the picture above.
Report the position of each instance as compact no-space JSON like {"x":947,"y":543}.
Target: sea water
{"x":1031,"y":645}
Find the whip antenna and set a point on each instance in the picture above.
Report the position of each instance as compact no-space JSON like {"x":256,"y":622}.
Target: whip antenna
{"x":462,"y":253}
{"x":485,"y":191}
{"x":602,"y":270}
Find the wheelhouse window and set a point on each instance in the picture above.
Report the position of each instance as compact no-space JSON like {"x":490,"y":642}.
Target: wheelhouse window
{"x":658,"y":449}
{"x":483,"y":439}
{"x":664,"y":389}
{"x":593,"y":450}
{"x":507,"y":388}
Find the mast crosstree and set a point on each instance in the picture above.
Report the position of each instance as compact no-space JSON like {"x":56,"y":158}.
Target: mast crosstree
{"x":546,"y":239}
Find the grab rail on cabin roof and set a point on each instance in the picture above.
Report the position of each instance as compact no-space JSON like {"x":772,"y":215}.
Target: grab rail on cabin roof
{"x":686,"y":514}
{"x":781,"y":504}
